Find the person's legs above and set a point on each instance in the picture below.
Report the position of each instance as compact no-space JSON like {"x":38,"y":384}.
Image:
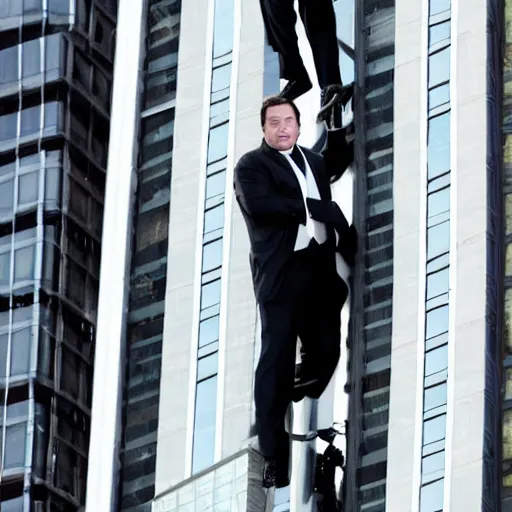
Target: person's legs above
{"x":280,"y":18}
{"x":274,"y":387}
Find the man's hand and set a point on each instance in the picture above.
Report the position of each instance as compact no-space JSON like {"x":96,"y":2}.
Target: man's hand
{"x":321,"y":210}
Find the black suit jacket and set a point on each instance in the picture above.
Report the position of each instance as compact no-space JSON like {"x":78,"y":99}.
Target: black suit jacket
{"x":270,"y":197}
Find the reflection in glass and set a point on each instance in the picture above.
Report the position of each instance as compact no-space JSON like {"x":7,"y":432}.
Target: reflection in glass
{"x":439,"y":32}
{"x":437,"y":322}
{"x":435,"y":397}
{"x":212,"y":255}
{"x":438,"y":239}
{"x":223,"y":28}
{"x":214,"y":218}
{"x":438,"y":6}
{"x":439,"y":202}
{"x":433,"y":463}
{"x":432,"y":497}
{"x":207,"y":366}
{"x":221,"y":78}
{"x":209,"y":330}
{"x":204,"y":424}
{"x":215,"y":185}
{"x":210,"y":294}
{"x":438,"y":145}
{"x":218,"y":142}
{"x":439,"y":67}
{"x":434,"y":429}
{"x":436,"y":360}
{"x":439,"y":96}
{"x":437,"y":283}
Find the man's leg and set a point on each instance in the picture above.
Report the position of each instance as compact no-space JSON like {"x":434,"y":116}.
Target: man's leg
{"x":280,"y":18}
{"x":274,"y":384}
{"x":320,"y":24}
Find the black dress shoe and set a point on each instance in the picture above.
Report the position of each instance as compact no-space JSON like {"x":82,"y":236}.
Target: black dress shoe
{"x":295,"y":88}
{"x":273,"y":475}
{"x":328,"y":434}
{"x":333,"y":99}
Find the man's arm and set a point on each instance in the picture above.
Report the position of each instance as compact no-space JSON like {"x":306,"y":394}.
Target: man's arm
{"x":338,"y":154}
{"x":257,"y":196}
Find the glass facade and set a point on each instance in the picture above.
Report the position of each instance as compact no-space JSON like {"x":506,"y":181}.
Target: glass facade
{"x":205,"y":410}
{"x":55,"y":76}
{"x":438,"y":255}
{"x":149,"y":257}
{"x":370,"y":331}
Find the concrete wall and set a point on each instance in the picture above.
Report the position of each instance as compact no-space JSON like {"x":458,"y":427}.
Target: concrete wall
{"x":186,"y":188}
{"x":409,"y":250}
{"x":467,"y":363}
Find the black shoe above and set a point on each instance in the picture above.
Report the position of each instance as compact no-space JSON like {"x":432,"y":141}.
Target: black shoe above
{"x":295,"y":88}
{"x":273,"y":475}
{"x":328,"y":434}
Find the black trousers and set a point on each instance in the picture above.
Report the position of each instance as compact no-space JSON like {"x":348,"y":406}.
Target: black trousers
{"x":320,"y":24}
{"x":307,"y":305}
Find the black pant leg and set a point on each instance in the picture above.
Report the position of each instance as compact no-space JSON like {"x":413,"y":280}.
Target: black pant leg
{"x":320,"y":23}
{"x":280,"y":18}
{"x":273,"y":385}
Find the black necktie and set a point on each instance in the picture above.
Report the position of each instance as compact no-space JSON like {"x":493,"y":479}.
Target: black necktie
{"x":299,"y":159}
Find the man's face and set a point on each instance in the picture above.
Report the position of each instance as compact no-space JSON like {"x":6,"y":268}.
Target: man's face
{"x":281,"y":129}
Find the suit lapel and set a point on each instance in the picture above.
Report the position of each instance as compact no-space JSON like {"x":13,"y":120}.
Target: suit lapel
{"x":280,"y":161}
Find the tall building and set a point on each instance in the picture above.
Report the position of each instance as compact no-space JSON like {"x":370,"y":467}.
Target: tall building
{"x":56,"y":61}
{"x":428,"y":356}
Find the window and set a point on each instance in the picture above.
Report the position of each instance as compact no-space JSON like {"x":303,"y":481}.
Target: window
{"x":9,"y":65}
{"x":439,"y":32}
{"x":20,"y":352}
{"x":209,"y":331}
{"x":31,"y":6}
{"x":438,"y":239}
{"x":215,"y":184}
{"x":435,"y":397}
{"x":7,"y":195}
{"x":432,"y":497}
{"x":437,"y":283}
{"x":436,"y":360}
{"x":214,"y":218}
{"x":5,"y":268}
{"x":221,"y":107}
{"x":55,"y":52}
{"x":438,"y":145}
{"x":437,"y":322}
{"x":15,"y":446}
{"x":4,"y":338}
{"x":434,"y":429}
{"x":223,"y":28}
{"x":31,"y":58}
{"x":438,"y":96}
{"x":8,"y":127}
{"x":439,"y":67}
{"x":218,"y":142}
{"x":221,"y":78}
{"x":439,"y":202}
{"x":207,"y":366}
{"x":204,"y":424}
{"x":157,"y":132}
{"x":58,"y":6}
{"x":212,"y":255}
{"x":438,"y":6}
{"x":28,"y":188}
{"x":210,"y":294}
{"x":30,"y":120}
{"x":160,"y":87}
{"x":24,"y":263}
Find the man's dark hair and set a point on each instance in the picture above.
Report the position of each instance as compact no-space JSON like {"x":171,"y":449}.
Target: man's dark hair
{"x":274,"y":101}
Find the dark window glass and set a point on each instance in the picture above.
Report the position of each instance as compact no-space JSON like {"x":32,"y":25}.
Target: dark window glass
{"x":3,"y":355}
{"x":438,"y":239}
{"x":24,"y":263}
{"x":438,"y":283}
{"x":223,"y":28}
{"x":212,"y":255}
{"x":221,"y":78}
{"x":218,"y":142}
{"x":438,"y":145}
{"x":163,"y":56}
{"x":20,"y":352}
{"x":31,"y":57}
{"x":81,"y":71}
{"x":31,"y":6}
{"x":52,"y":114}
{"x":216,"y":184}
{"x":439,"y":202}
{"x":432,"y":497}
{"x":15,"y":446}
{"x":435,"y":397}
{"x":30,"y":120}
{"x":9,"y":65}
{"x":204,"y":424}
{"x":207,"y":366}
{"x":436,"y":360}
{"x":434,"y":429}
{"x":152,"y":228}
{"x":55,"y":47}
{"x":160,"y":87}
{"x":439,"y":96}
{"x":208,"y":330}
{"x":52,"y":187}
{"x":437,"y":322}
{"x":439,"y":32}
{"x":210,"y":294}
{"x":214,"y":218}
{"x":28,"y":188}
{"x":437,"y":6}
{"x":101,"y":87}
{"x":58,"y":6}
{"x":157,"y":134}
{"x":8,"y":127}
{"x":439,"y":67}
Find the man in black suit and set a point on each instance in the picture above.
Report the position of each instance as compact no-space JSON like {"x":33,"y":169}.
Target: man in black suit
{"x":284,"y":194}
{"x":320,"y":24}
